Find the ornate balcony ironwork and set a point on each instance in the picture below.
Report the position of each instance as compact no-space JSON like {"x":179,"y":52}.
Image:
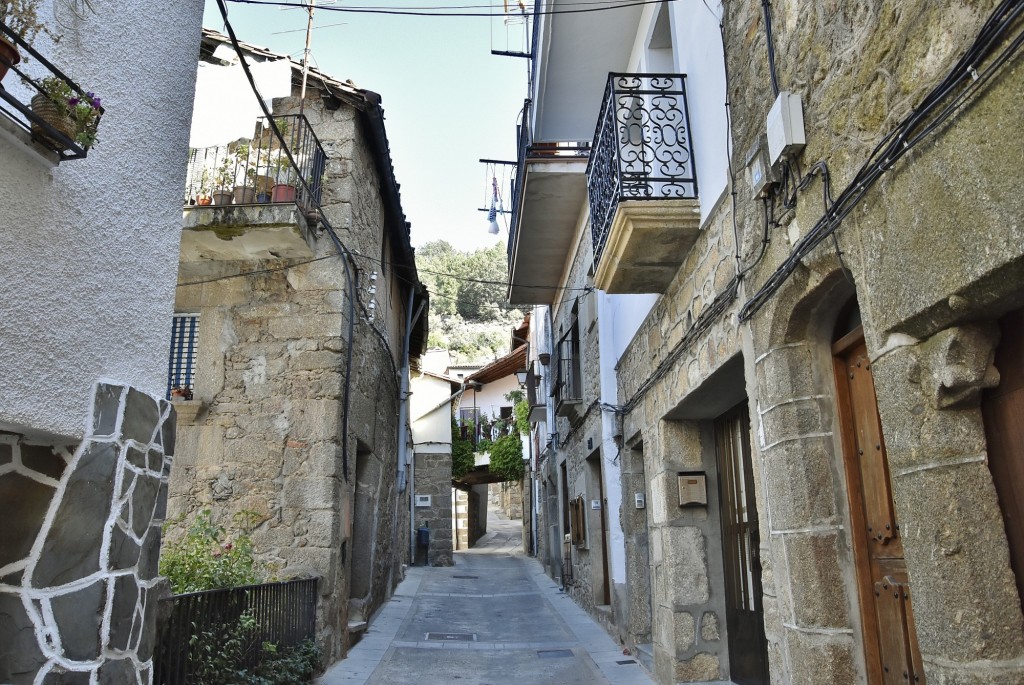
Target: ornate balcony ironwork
{"x":258,"y":171}
{"x":642,"y":148}
{"x":15,"y":96}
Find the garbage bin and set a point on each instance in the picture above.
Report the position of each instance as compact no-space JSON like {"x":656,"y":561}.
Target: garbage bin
{"x":423,"y":537}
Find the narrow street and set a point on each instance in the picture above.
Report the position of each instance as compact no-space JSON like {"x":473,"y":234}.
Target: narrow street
{"x":491,"y":617}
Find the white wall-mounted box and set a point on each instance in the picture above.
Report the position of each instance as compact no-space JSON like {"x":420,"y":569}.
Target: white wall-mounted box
{"x":423,"y":500}
{"x":785,"y":127}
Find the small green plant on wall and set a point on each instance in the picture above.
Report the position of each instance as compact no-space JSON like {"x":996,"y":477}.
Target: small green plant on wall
{"x":207,"y":557}
{"x":462,"y":453}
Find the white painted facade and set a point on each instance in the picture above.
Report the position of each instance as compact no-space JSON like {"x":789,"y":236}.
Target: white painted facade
{"x":89,"y":248}
{"x":430,"y":406}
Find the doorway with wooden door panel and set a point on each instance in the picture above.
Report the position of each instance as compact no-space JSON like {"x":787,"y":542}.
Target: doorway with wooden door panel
{"x":887,"y":618}
{"x":1003,"y":410}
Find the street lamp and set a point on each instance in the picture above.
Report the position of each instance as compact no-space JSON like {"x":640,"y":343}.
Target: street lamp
{"x":522,"y":375}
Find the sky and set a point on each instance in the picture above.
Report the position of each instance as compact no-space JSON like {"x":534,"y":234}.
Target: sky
{"x":447,"y":101}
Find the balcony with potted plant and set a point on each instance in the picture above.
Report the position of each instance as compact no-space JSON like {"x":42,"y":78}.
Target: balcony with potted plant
{"x":40,"y":106}
{"x":248,"y":200}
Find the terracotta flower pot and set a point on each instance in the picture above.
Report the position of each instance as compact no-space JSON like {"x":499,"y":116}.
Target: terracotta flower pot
{"x":204,"y":201}
{"x":221,"y":198}
{"x":46,"y":110}
{"x":8,"y":56}
{"x":244,"y":196}
{"x":283,"y":193}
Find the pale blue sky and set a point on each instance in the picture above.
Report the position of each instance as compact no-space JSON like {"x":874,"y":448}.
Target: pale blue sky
{"x":447,"y":101}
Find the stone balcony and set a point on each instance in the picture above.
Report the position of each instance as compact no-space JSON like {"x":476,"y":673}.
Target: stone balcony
{"x":246,"y":232}
{"x":642,"y":184}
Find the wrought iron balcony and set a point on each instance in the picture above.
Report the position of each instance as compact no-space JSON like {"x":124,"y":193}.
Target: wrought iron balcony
{"x":43,"y":102}
{"x":258,"y":171}
{"x":642,"y":153}
{"x":567,"y":389}
{"x":247,"y":200}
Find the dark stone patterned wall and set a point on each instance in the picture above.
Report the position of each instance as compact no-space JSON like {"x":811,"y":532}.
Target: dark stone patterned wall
{"x":80,"y":544}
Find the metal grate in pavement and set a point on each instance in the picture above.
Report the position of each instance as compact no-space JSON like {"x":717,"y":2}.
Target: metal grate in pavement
{"x":554,"y":653}
{"x":453,"y":637}
{"x":626,"y":661}
{"x":468,"y":577}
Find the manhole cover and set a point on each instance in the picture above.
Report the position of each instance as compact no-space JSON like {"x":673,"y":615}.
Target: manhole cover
{"x":625,"y":661}
{"x":468,"y":577}
{"x":554,"y":653}
{"x":454,"y":637}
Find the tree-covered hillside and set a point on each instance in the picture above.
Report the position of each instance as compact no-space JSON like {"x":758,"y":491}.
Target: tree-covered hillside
{"x":468,"y":313}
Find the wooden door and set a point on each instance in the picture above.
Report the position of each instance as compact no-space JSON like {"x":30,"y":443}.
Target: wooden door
{"x":744,"y":614}
{"x":890,"y":641}
{"x":1003,"y":410}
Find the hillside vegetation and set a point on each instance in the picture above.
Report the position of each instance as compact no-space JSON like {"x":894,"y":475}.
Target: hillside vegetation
{"x":468,"y":312}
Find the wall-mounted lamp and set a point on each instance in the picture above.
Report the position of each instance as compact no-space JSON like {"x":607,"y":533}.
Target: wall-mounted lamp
{"x":522,"y":374}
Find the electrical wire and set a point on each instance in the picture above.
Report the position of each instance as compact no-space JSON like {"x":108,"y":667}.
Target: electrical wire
{"x":766,"y":6}
{"x":257,"y":272}
{"x":429,"y":12}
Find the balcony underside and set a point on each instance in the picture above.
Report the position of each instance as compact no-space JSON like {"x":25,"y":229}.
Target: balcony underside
{"x":245,"y":232}
{"x":647,"y":243}
{"x":553,"y":197}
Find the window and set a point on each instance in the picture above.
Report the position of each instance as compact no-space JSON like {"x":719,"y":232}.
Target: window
{"x":578,"y":521}
{"x":181,"y":364}
{"x":568,"y":380}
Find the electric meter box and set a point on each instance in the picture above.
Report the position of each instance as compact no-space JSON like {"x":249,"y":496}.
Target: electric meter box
{"x":785,"y":127}
{"x":693,"y":489}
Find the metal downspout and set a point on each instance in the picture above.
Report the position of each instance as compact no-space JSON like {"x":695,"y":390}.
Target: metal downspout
{"x":403,"y":420}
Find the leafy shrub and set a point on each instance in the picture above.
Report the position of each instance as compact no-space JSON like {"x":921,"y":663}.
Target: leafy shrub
{"x":207,"y":558}
{"x":217,"y":657}
{"x":507,"y":458}
{"x":521,"y":410}
{"x":462,"y":454}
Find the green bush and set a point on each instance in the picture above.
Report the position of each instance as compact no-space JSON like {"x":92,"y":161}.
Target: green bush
{"x":216,"y":657}
{"x":507,"y":458}
{"x":462,"y":454}
{"x":207,"y":558}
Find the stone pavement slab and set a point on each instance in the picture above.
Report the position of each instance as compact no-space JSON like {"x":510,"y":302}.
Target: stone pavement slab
{"x":503,"y":620}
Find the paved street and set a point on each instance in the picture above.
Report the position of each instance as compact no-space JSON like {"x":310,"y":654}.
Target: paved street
{"x":492,"y":617}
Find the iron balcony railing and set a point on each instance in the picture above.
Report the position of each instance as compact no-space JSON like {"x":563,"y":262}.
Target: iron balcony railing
{"x":568,"y":386}
{"x":256,"y":171}
{"x":642,"y":147}
{"x":528,"y":151}
{"x":285,"y":615}
{"x":24,"y":101}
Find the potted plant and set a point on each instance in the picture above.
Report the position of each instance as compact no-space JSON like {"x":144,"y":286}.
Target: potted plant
{"x":284,"y":189}
{"x":22,"y":19}
{"x":70,"y":113}
{"x":204,"y":199}
{"x":245,"y":194}
{"x":224,"y":181}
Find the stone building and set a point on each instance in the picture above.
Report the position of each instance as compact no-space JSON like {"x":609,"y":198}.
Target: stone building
{"x":776,"y":258}
{"x":434,"y":397}
{"x":294,"y":339}
{"x":87,"y":238}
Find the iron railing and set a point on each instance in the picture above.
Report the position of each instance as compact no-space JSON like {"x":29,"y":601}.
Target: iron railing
{"x":256,"y":171}
{"x":642,"y":147}
{"x":530,"y":150}
{"x":568,"y":386}
{"x":285,"y":615}
{"x":57,"y":133}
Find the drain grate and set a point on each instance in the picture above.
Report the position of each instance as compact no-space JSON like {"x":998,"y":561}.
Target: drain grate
{"x":626,"y":661}
{"x":554,"y":653}
{"x":452,"y":637}
{"x":468,"y":577}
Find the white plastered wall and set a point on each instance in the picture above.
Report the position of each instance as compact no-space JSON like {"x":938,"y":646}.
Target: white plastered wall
{"x":89,"y":248}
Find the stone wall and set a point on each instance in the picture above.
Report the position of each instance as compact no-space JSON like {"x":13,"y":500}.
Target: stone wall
{"x":265,"y":430}
{"x":931,"y":251}
{"x":434,"y":478}
{"x":80,"y":543}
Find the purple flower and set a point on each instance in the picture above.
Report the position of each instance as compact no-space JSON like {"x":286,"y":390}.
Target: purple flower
{"x":73,"y":101}
{"x":95,"y":102}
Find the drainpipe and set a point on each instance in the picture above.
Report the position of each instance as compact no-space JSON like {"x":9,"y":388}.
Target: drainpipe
{"x":403,"y":419}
